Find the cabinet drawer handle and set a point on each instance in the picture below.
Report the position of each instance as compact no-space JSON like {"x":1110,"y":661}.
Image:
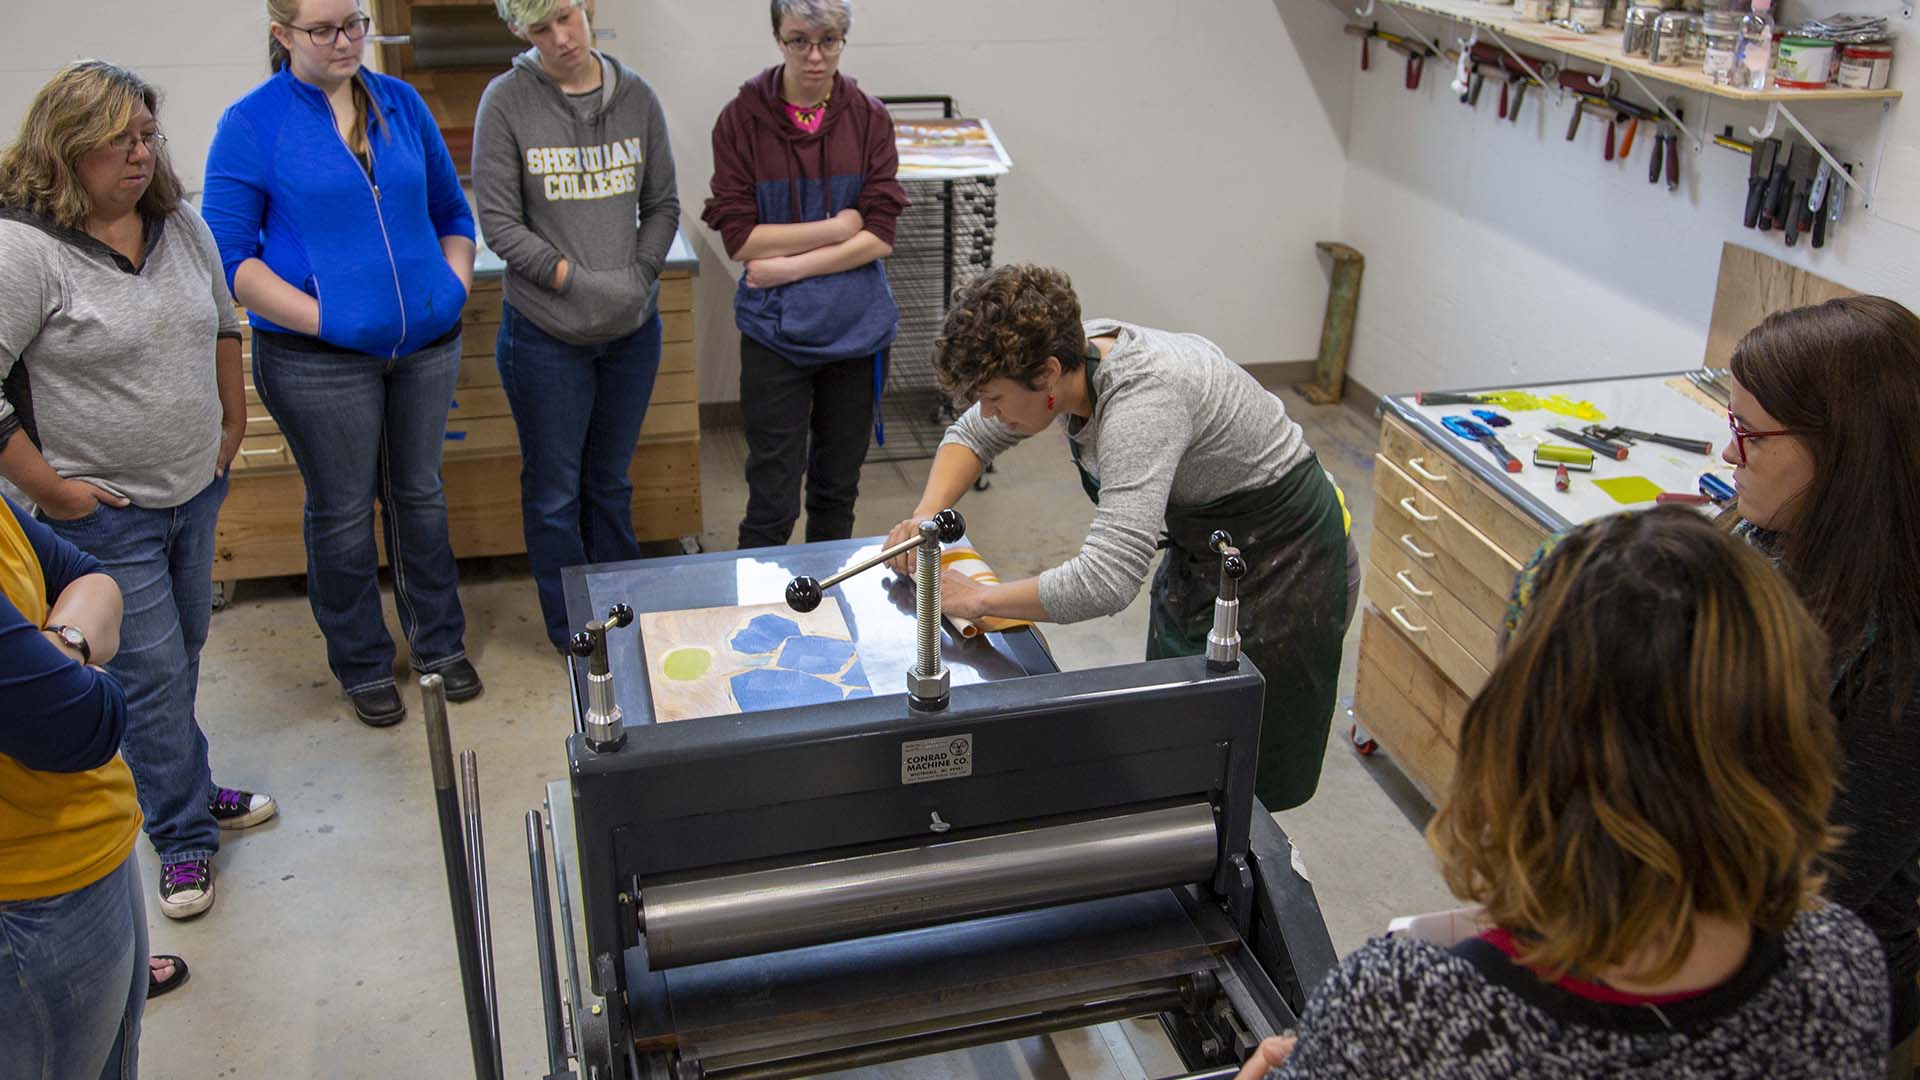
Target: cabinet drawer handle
{"x":1406,"y":541}
{"x":274,"y":450}
{"x":1404,"y":624}
{"x":1407,"y":584}
{"x":1414,"y":464}
{"x":1424,"y":519}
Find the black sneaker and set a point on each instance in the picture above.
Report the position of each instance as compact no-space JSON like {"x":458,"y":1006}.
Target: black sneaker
{"x":462,"y":682}
{"x":379,"y":707}
{"x":186,"y":888}
{"x":234,"y":809}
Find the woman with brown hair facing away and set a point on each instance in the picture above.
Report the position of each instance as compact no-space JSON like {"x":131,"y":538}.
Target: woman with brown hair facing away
{"x":1170,"y":436}
{"x":344,"y":232}
{"x":123,"y":409}
{"x":1826,"y":449}
{"x":1640,"y":808}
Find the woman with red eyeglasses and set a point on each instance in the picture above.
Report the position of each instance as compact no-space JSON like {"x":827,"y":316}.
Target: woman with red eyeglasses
{"x":1826,"y":450}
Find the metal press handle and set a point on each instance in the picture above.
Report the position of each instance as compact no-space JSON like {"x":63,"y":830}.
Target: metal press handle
{"x":1424,"y":519}
{"x":1406,"y":541}
{"x":1414,"y":464}
{"x":543,"y":946}
{"x":1407,"y":583}
{"x":1395,"y":613}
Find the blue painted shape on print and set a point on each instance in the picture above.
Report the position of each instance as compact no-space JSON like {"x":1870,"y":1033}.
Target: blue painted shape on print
{"x":772,"y":688}
{"x":764,"y":634}
{"x":815,"y":655}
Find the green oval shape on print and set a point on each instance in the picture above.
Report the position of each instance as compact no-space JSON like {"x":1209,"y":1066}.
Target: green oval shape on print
{"x":686,"y":665}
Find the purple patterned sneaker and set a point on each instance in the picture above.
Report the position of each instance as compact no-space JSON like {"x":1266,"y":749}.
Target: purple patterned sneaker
{"x":186,"y":888}
{"x":234,"y":809}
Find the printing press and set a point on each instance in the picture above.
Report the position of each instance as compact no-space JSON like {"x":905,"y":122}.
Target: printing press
{"x":1003,"y":851}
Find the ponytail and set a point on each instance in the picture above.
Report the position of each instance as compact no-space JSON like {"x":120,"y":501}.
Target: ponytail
{"x":277,"y":56}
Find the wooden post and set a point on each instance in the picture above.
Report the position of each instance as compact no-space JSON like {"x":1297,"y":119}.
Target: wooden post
{"x":1336,"y":333}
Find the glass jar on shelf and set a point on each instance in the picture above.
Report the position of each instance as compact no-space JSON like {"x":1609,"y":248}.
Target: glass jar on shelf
{"x":1668,"y":45}
{"x":1721,"y":31}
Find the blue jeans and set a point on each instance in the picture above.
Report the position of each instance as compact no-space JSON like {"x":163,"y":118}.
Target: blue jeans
{"x":578,"y":409}
{"x":163,"y":562}
{"x":361,"y":427}
{"x":73,"y":981}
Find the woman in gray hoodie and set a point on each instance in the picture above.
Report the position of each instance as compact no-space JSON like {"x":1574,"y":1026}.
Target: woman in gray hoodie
{"x":574,"y":183}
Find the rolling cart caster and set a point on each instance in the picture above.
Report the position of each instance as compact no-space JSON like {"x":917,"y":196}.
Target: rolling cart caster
{"x":222,"y":595}
{"x":690,"y":545}
{"x":1363,"y":743}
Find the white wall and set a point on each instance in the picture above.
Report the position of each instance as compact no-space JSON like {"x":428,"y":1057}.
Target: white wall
{"x":202,"y":54}
{"x":1500,"y":252}
{"x":1178,"y":159}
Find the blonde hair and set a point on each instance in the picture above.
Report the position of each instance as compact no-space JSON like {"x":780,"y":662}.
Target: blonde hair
{"x":85,"y":106}
{"x":1655,"y":745}
{"x":284,"y":13}
{"x":521,"y":14}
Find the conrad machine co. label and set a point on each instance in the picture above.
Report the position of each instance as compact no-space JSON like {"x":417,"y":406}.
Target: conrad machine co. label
{"x":936,"y":759}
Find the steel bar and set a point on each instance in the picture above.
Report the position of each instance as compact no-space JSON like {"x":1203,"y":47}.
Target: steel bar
{"x":914,"y":1046}
{"x":466,"y":939}
{"x":900,"y":548}
{"x":477,"y":881}
{"x":543,"y":945}
{"x":760,"y":911}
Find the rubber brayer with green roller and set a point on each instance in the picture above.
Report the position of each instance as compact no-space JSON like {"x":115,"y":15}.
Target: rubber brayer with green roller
{"x":1573,"y":457}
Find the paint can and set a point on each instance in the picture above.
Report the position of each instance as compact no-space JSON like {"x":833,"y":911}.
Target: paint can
{"x":1805,"y":63}
{"x":1865,"y":66}
{"x":1591,"y":14}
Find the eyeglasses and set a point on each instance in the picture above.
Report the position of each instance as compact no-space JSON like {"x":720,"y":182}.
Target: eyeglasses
{"x":1741,"y":435}
{"x":355,"y":28}
{"x":123,"y":143}
{"x":799,"y":47}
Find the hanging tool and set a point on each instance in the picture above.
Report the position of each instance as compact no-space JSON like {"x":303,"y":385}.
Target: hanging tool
{"x":1800,"y":181}
{"x":1773,"y":205}
{"x":1519,"y":94}
{"x":1837,"y":202}
{"x":1666,"y":148}
{"x":1817,"y":203}
{"x":1626,"y":137}
{"x":1416,"y":67}
{"x":1614,"y":433}
{"x":1759,"y":170}
{"x":1505,"y":87}
{"x":1611,"y":449}
{"x":1475,"y":431}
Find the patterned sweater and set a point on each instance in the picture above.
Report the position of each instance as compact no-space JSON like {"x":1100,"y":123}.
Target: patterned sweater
{"x":1811,"y":1003}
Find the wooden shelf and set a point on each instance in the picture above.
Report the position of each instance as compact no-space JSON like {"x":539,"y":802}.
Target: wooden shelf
{"x":1604,"y":48}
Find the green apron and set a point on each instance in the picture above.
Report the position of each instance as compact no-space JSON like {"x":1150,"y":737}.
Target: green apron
{"x":1293,"y":607}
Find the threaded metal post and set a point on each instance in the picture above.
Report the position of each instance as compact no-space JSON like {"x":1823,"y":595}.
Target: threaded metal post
{"x":927,"y":598}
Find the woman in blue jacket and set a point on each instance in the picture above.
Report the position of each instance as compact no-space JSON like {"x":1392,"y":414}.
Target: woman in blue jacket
{"x":344,"y":232}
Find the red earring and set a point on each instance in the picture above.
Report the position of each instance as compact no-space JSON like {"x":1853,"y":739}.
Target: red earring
{"x":1049,"y":402}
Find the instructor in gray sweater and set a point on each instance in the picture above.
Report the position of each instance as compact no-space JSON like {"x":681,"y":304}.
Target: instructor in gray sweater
{"x":1171,"y":439}
{"x":574,"y":181}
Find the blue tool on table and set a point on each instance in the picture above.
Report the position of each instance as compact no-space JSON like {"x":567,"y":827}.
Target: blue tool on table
{"x":1715,"y":488}
{"x":1480,"y":433}
{"x":1492,"y":418}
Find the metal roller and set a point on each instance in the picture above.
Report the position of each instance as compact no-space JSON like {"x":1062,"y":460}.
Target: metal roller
{"x":760,"y":911}
{"x":449,"y":37}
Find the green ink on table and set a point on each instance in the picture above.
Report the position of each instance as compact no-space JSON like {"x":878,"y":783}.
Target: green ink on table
{"x":686,"y":665}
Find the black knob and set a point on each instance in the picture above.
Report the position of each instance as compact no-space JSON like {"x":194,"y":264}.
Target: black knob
{"x":581,"y":645}
{"x":1233,"y":565}
{"x":952,"y":525}
{"x":803,"y":594}
{"x":619,"y":615}
{"x":1221,"y":538}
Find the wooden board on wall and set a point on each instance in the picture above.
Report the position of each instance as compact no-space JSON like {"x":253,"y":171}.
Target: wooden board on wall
{"x":1753,"y":286}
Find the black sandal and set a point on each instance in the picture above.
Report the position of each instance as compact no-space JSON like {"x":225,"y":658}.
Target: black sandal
{"x":156,"y":988}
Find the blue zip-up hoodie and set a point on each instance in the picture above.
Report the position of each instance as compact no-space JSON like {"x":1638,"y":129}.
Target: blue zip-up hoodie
{"x":283,"y":187}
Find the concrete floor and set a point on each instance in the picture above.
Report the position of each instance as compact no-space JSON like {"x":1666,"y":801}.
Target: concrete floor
{"x":329,"y":950}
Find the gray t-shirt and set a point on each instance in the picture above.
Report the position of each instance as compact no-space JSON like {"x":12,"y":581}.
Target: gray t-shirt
{"x":119,"y":363}
{"x":1176,"y":423}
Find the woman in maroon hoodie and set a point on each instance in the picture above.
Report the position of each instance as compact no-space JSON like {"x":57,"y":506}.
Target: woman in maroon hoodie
{"x":804,"y":194}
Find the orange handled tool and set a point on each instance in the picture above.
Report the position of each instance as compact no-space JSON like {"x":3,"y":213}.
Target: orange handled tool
{"x":1626,"y":139}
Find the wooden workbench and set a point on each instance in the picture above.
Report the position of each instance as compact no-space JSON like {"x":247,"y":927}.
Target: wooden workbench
{"x":1450,"y":531}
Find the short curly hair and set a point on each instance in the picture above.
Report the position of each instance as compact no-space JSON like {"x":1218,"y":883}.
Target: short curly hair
{"x":1004,"y":324}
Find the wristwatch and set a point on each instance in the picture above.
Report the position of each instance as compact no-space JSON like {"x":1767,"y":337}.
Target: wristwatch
{"x":75,"y":639}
